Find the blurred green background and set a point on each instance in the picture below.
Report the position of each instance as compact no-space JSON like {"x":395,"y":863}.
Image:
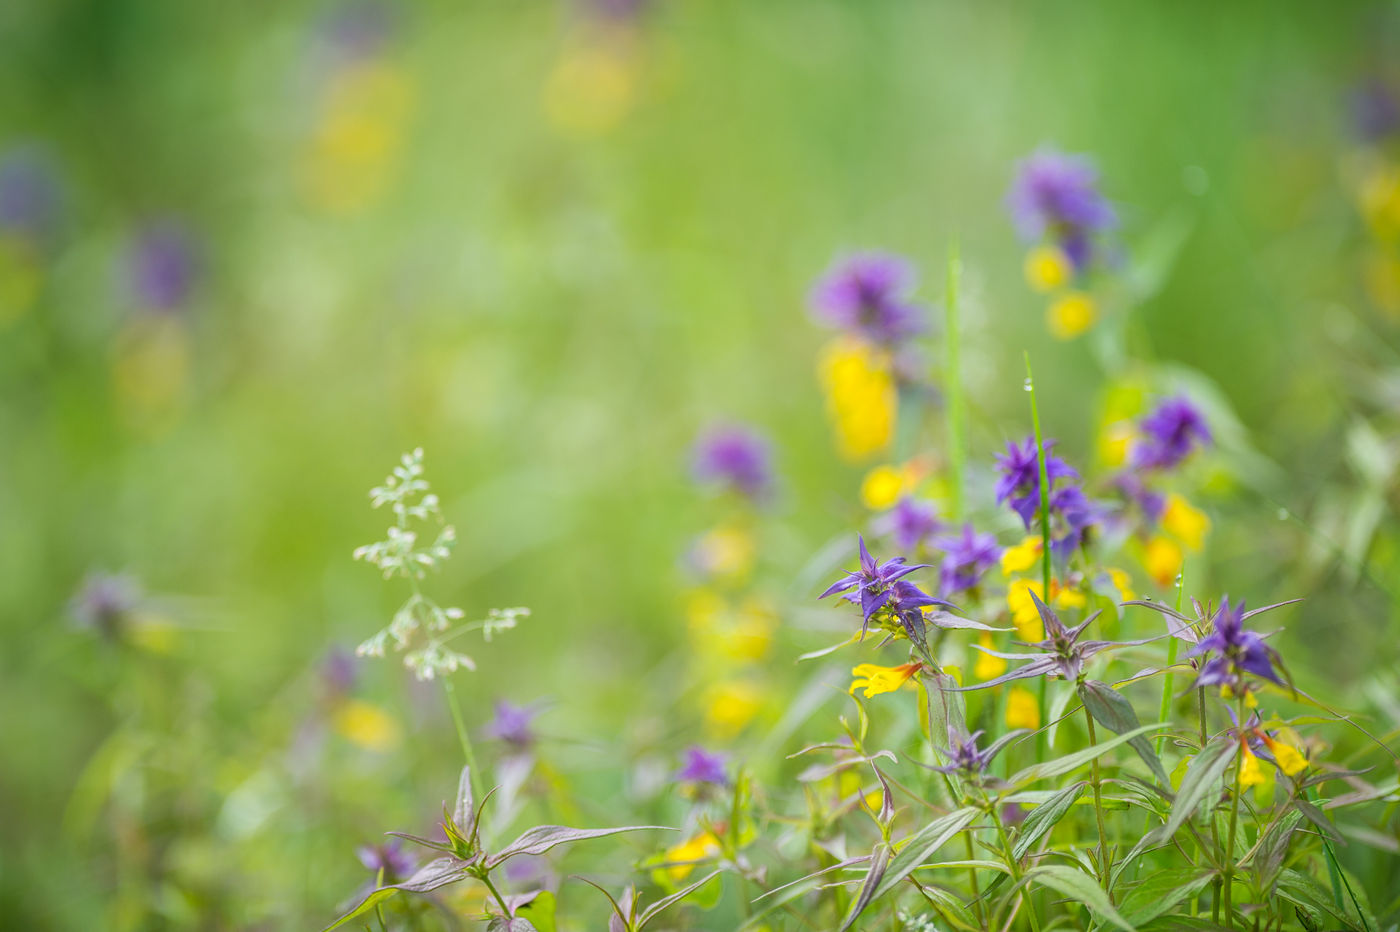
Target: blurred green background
{"x":548,"y":243}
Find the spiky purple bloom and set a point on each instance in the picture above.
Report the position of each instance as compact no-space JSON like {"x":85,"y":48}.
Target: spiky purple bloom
{"x":1020,"y":477}
{"x":966,"y":558}
{"x":388,"y":857}
{"x":967,"y":759}
{"x":735,"y":456}
{"x":867,"y":294}
{"x":1073,"y":514}
{"x":1058,"y":194}
{"x":512,"y":723}
{"x":1236,"y":650}
{"x":104,"y":601}
{"x":164,"y":266}
{"x":881,"y":587}
{"x":910,"y":523}
{"x":702,"y":766}
{"x":1061,"y":654}
{"x":29,"y":193}
{"x":1170,"y":434}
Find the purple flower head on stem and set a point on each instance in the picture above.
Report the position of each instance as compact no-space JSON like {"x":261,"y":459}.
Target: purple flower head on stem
{"x":1020,"y":477}
{"x":966,"y":758}
{"x":867,"y":295}
{"x":1058,"y":194}
{"x":1151,"y":503}
{"x":1233,"y":651}
{"x":512,"y":724}
{"x":389,"y":857}
{"x":966,"y":558}
{"x":881,"y":589}
{"x":104,"y":602}
{"x":702,"y":766}
{"x":357,"y":30}
{"x":339,"y":669}
{"x":1169,"y":435}
{"x":164,"y":266}
{"x":29,"y":193}
{"x":910,"y":523}
{"x":735,"y":456}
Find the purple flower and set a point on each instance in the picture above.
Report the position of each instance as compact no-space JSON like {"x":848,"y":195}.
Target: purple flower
{"x":867,"y":294}
{"x":1058,"y":194}
{"x":964,"y":755}
{"x":910,"y":523}
{"x":104,"y":602}
{"x":1020,"y":477}
{"x":881,"y":587}
{"x":29,"y":193}
{"x":1375,"y":110}
{"x":357,"y":30}
{"x":1236,"y":651}
{"x":702,"y":766}
{"x":1170,"y":434}
{"x":736,"y":456}
{"x":512,"y":724}
{"x":163,"y":266}
{"x":339,"y":669}
{"x":965,"y":559}
{"x":388,"y":857}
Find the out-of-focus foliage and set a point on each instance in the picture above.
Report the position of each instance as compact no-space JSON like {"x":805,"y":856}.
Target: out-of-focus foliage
{"x":250,"y":252}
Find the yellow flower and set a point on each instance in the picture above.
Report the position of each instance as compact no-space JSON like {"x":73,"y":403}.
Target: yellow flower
{"x":704,"y":845}
{"x":1162,"y":560}
{"x":1122,"y":582}
{"x":1188,"y":523}
{"x":1066,"y":597}
{"x":1251,"y":774}
{"x":704,"y":608}
{"x":1290,"y":761}
{"x":1023,"y":611}
{"x":875,"y":679}
{"x":730,"y":706}
{"x":1382,"y":277}
{"x":1114,"y":441}
{"x":1020,"y":557}
{"x":1022,"y":710}
{"x":1380,"y":202}
{"x":20,"y":277}
{"x":861,"y":399}
{"x":726,"y":551}
{"x":1070,"y":315}
{"x":593,"y":86}
{"x":882,"y":487}
{"x":154,"y":634}
{"x":987,"y":667}
{"x":150,"y":369}
{"x":1047,"y":268}
{"x":356,"y":146}
{"x":367,"y":725}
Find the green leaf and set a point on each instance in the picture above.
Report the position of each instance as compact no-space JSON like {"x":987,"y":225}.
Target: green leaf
{"x":1304,"y":891}
{"x":1200,"y":779}
{"x":1315,"y":816}
{"x":540,"y":911}
{"x":1112,"y":710}
{"x":368,"y":903}
{"x":1082,"y":888}
{"x":917,"y":849}
{"x":1069,"y":762}
{"x":1273,"y":849}
{"x":879,"y":861}
{"x":655,"y":909}
{"x":1043,"y":818}
{"x":1161,"y":892}
{"x":438,"y":872}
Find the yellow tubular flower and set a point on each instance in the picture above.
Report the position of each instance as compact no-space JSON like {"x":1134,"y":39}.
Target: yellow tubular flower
{"x":861,"y":399}
{"x":1047,"y":268}
{"x":367,"y":725}
{"x":1162,"y":559}
{"x":881,"y":488}
{"x":1188,"y":523}
{"x":1071,"y":315}
{"x":1023,"y":611}
{"x":1022,"y":711}
{"x":730,"y":706}
{"x":1066,"y":597}
{"x":698,"y":848}
{"x":1114,"y":441}
{"x":875,"y":679}
{"x":1290,"y":761}
{"x":1122,"y":582}
{"x":1020,"y":557}
{"x":987,"y":667}
{"x":1251,"y":774}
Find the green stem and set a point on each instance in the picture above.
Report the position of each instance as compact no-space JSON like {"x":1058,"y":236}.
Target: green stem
{"x":1227,"y":882}
{"x":1011,"y":864}
{"x":472,"y":772}
{"x":1105,"y":872}
{"x":972,"y":876}
{"x":1043,"y":741}
{"x":500,"y":901}
{"x":1168,"y":682}
{"x":952,"y":382}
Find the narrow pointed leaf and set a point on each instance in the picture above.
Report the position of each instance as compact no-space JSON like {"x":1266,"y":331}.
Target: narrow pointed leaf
{"x":1043,"y":818}
{"x":655,"y":909}
{"x":879,"y":862}
{"x":1112,"y":710}
{"x":919,"y":847}
{"x":1070,"y":762}
{"x":1200,"y":780}
{"x":541,"y":838}
{"x":1161,"y":892}
{"x":436,"y":873}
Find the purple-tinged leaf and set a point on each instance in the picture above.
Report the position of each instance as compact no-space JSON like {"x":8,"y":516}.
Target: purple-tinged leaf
{"x":1199,"y":781}
{"x":541,"y":838}
{"x":1110,"y":709}
{"x":436,"y":873}
{"x":1043,"y":818}
{"x":879,"y":863}
{"x":655,"y":909}
{"x":920,"y":846}
{"x":1080,"y":887}
{"x":506,"y":924}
